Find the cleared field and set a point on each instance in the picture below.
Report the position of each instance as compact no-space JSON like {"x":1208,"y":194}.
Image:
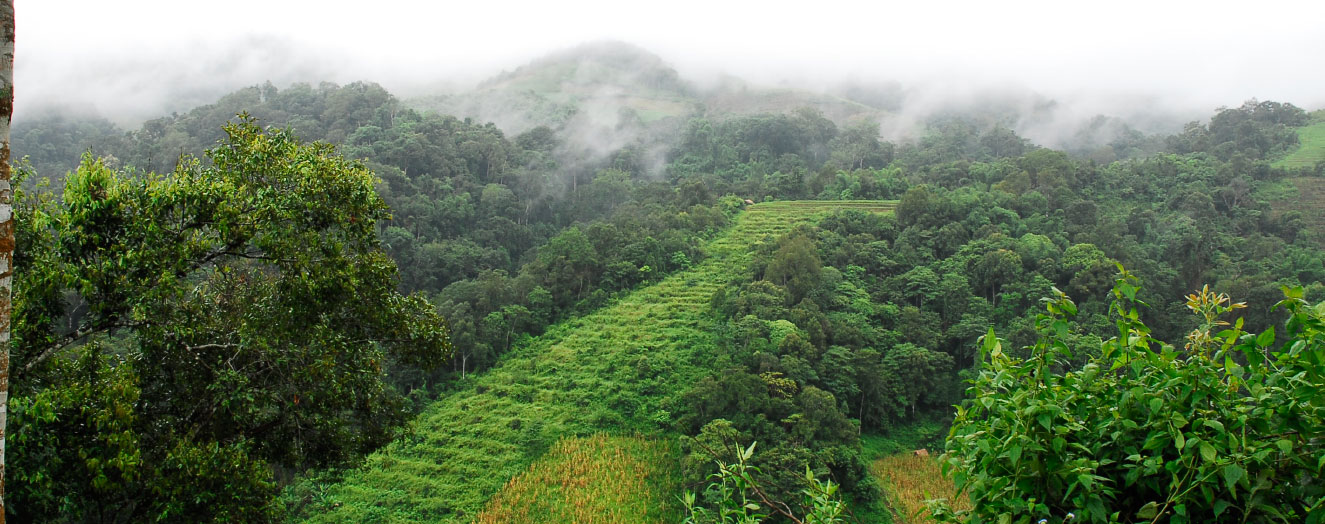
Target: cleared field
{"x":617,"y":370}
{"x":1311,"y":148}
{"x":599,"y":479}
{"x":908,"y":481}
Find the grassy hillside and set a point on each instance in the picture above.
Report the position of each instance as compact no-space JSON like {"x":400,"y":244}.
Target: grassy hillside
{"x":1304,"y":194}
{"x":616,"y":370}
{"x":1311,"y":148}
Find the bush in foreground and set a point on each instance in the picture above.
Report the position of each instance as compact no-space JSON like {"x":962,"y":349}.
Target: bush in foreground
{"x":1224,"y":428}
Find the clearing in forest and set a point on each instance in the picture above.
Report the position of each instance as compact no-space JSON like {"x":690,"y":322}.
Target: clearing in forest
{"x":1311,"y":145}
{"x":598,"y":479}
{"x":908,"y":481}
{"x":617,"y":370}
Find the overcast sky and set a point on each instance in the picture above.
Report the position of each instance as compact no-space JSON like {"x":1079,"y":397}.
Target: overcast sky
{"x":123,"y":58}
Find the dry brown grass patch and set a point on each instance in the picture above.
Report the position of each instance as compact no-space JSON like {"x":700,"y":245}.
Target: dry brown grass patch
{"x":909,"y":480}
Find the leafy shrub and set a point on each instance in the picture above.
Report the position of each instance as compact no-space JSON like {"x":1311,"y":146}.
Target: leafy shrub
{"x":1225,"y":428}
{"x":739,"y":499}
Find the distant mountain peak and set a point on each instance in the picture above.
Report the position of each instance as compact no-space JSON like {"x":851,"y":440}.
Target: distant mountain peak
{"x":611,"y":52}
{"x":605,"y":86}
{"x":608,"y":61}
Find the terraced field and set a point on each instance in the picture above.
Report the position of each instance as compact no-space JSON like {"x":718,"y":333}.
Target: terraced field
{"x":1311,"y":148}
{"x":617,"y":370}
{"x":599,"y":479}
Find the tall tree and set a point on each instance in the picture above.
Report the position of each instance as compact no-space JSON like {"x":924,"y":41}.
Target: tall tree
{"x":199,"y":333}
{"x":6,"y":222}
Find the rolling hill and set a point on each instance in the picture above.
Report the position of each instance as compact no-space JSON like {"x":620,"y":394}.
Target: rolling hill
{"x":604,"y":85}
{"x":606,"y":88}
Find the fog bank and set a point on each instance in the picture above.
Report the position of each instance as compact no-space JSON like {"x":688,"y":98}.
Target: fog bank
{"x":134,"y":60}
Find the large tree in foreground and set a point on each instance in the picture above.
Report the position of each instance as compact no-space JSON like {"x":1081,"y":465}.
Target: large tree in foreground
{"x":182,"y":340}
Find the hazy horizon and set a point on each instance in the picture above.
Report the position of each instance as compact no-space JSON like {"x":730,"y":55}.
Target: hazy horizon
{"x":1183,"y":59}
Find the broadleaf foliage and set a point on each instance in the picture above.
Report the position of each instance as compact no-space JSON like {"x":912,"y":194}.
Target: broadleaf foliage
{"x":1225,"y":428}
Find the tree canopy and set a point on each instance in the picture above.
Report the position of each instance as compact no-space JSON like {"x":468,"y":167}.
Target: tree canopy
{"x":189,"y":332}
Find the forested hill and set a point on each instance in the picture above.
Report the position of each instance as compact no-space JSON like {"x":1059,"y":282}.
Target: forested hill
{"x":610,"y":89}
{"x":450,"y":267}
{"x":598,"y":98}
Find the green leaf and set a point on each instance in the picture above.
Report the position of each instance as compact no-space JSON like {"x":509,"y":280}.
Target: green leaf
{"x":1215,"y":425}
{"x":1060,"y":328}
{"x":1156,"y":441}
{"x":1220,"y":506}
{"x":1266,"y":338}
{"x":1148,"y":511}
{"x":1232,"y":474}
{"x":989,"y":343}
{"x":1207,"y":452}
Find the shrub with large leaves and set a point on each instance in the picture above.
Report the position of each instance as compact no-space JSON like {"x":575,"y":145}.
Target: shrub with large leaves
{"x":1226,"y":427}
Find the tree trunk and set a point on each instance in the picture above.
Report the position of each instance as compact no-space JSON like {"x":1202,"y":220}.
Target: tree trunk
{"x":6,"y":223}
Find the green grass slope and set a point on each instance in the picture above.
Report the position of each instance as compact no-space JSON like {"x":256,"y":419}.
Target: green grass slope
{"x":617,"y":370}
{"x":1311,"y":145}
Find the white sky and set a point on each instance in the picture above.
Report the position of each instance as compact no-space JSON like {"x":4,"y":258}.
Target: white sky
{"x":124,"y":57}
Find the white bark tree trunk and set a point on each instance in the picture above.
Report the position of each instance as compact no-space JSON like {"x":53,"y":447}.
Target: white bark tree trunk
{"x":6,"y":223}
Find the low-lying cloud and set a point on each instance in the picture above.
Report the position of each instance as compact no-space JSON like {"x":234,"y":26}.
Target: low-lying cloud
{"x":1144,"y":62}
